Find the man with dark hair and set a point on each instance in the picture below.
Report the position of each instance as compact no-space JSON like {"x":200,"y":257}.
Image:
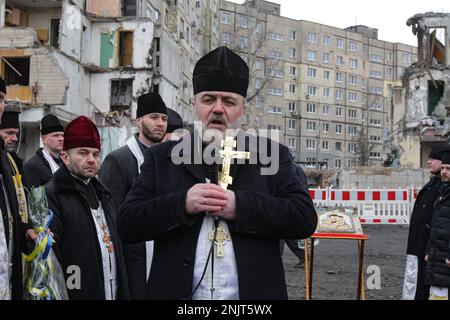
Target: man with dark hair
{"x":215,"y":242}
{"x":13,"y":231}
{"x":437,"y":274}
{"x":414,"y":287}
{"x":40,"y":169}
{"x":122,"y":166}
{"x":86,"y":240}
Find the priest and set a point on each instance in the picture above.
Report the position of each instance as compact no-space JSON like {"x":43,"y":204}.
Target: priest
{"x":14,"y":233}
{"x":10,"y":133}
{"x":40,"y":168}
{"x":414,"y":287}
{"x":86,"y":240}
{"x":212,"y":243}
{"x":437,"y":273}
{"x":122,"y":166}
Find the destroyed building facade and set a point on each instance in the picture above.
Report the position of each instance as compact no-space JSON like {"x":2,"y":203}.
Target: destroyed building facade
{"x":421,"y":104}
{"x":95,"y":57}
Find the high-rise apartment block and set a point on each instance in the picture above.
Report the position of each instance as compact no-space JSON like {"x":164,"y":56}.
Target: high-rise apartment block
{"x":326,"y":90}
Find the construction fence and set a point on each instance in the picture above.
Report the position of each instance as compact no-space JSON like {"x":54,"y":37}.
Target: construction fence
{"x":375,"y":206}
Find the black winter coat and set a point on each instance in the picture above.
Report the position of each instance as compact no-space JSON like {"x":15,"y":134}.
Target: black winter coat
{"x":437,"y":272}
{"x":37,"y":171}
{"x":19,"y":228}
{"x":269,"y":208}
{"x":420,"y":224}
{"x":118,"y":171}
{"x":76,"y":235}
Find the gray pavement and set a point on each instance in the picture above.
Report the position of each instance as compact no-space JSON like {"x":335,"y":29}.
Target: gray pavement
{"x":336,"y":266}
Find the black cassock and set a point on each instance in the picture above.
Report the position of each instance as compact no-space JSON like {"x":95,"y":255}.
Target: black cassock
{"x":18,"y":228}
{"x":37,"y":170}
{"x":419,"y":232}
{"x":76,"y":241}
{"x":118,"y":171}
{"x":269,"y":208}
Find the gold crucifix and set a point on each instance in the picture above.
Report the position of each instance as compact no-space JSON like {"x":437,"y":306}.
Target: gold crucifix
{"x":228,"y":153}
{"x":221,"y":238}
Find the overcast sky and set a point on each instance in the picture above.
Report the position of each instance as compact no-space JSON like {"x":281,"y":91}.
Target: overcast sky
{"x":388,"y":16}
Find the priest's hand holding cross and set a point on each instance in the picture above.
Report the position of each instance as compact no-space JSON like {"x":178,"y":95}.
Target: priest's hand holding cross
{"x":209,"y":197}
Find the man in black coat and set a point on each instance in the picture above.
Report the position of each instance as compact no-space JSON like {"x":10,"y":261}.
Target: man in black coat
{"x":121,"y":167}
{"x":212,"y":243}
{"x":10,"y":133}
{"x":40,"y":168}
{"x":437,"y":275}
{"x":14,"y":233}
{"x":419,"y":229}
{"x":86,"y":241}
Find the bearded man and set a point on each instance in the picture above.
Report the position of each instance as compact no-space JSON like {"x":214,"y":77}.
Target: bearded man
{"x":122,"y":166}
{"x":211,"y":242}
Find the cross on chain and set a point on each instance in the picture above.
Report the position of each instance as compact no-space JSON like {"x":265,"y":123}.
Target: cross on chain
{"x":228,"y":153}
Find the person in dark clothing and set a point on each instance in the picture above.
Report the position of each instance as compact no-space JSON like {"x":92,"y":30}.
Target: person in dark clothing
{"x":10,"y":129}
{"x":118,"y":172}
{"x":419,"y":229}
{"x":437,"y":274}
{"x":83,"y":225}
{"x":213,"y":242}
{"x":14,"y":232}
{"x":174,"y":123}
{"x":40,"y":168}
{"x":10,"y":133}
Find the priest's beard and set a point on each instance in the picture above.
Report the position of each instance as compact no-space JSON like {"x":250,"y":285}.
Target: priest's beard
{"x":151,"y":136}
{"x":10,"y":147}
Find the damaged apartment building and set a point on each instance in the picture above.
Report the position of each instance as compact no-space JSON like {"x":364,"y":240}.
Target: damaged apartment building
{"x":421,"y":106}
{"x":95,"y":57}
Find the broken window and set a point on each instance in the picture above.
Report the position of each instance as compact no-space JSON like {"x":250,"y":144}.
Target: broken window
{"x":125,"y":48}
{"x":16,"y":70}
{"x":398,"y":95}
{"x":121,"y":94}
{"x":15,"y":17}
{"x":435,"y":93}
{"x":437,"y":40}
{"x":54,"y":33}
{"x":129,"y":8}
{"x":157,"y":49}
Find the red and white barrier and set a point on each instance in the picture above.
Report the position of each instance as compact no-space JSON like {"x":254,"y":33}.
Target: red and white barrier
{"x":375,"y":206}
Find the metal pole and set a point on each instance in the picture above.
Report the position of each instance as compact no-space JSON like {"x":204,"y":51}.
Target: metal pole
{"x":311,"y":268}
{"x":306,"y":252}
{"x":360,"y":294}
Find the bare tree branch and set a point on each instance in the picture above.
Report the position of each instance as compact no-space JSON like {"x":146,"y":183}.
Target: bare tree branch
{"x":363,"y":148}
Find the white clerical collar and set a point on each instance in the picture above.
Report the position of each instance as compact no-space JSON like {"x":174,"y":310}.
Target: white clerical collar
{"x":51,"y":161}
